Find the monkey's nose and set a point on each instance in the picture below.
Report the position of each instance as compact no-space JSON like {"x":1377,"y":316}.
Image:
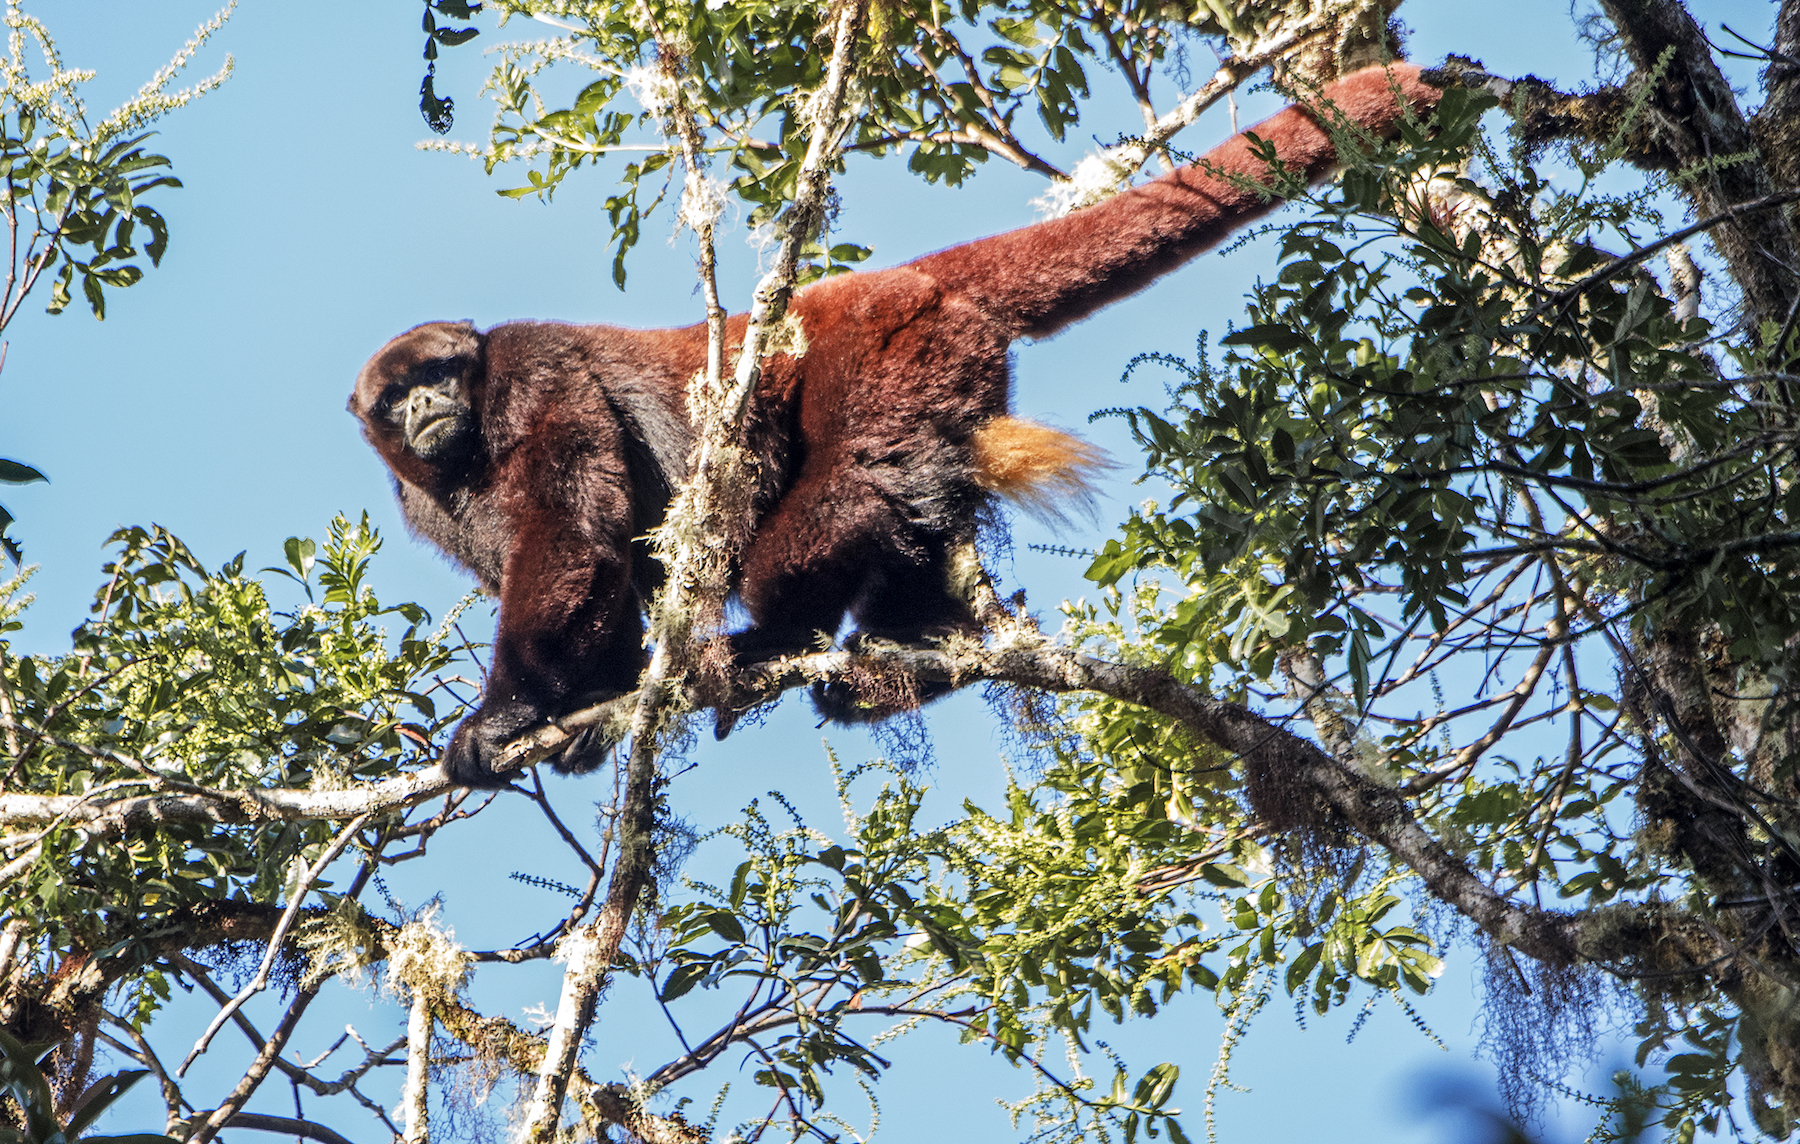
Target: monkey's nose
{"x":420,"y":411}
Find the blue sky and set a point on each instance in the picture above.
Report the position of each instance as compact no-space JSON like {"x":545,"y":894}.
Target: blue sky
{"x":311,"y":230}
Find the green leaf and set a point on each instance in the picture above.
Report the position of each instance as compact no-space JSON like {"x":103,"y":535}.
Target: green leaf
{"x":90,"y":285}
{"x":1275,"y":337}
{"x":1228,"y":877}
{"x":726,"y":925}
{"x":683,"y":978}
{"x":1156,"y":1086}
{"x":1302,"y":966}
{"x":300,"y":555}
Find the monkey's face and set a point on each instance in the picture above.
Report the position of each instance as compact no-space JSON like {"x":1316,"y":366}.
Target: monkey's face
{"x":417,"y":399}
{"x":430,"y":410}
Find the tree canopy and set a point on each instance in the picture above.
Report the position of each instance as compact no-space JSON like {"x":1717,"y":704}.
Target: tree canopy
{"x":1460,"y":618}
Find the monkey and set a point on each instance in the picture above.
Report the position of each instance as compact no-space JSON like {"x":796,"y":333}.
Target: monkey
{"x":537,"y":455}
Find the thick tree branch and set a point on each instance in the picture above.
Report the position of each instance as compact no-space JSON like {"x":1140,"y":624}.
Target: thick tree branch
{"x":45,"y":1007}
{"x":1375,"y":812}
{"x":415,"y":1104}
{"x":1777,"y":123}
{"x":1695,"y":120}
{"x":220,"y":807}
{"x":696,"y":539}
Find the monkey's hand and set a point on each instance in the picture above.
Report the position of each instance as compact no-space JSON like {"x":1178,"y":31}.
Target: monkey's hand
{"x":481,"y":739}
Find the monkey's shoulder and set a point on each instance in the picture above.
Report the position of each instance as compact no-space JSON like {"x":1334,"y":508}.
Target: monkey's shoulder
{"x":867,"y":302}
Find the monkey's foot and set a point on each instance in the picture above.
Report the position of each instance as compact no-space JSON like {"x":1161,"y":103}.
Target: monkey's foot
{"x":585,"y":752}
{"x":869,"y":694}
{"x":726,"y":718}
{"x":470,"y":758}
{"x":757,"y":645}
{"x":841,"y":701}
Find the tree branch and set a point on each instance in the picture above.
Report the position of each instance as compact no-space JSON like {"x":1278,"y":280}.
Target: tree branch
{"x":221,"y":1116}
{"x":1696,"y":120}
{"x":697,"y":572}
{"x":259,"y":982}
{"x":415,"y":1104}
{"x":285,"y":1126}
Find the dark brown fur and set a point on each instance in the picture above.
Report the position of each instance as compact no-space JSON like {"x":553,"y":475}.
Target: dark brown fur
{"x":564,"y":442}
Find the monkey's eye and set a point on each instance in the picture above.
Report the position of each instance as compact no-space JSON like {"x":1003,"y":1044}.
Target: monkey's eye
{"x":435,"y":372}
{"x":392,"y":398}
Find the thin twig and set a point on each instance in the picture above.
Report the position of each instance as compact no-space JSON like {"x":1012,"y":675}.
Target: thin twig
{"x":261,"y":980}
{"x":221,"y":1116}
{"x":286,"y":1126}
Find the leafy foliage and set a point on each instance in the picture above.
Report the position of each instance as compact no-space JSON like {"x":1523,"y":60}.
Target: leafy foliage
{"x":1077,"y":906}
{"x":947,"y":83}
{"x":70,"y":186}
{"x":1457,"y":448}
{"x":186,"y":680}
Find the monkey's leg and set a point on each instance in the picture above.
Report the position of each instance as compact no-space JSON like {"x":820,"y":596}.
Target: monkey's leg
{"x":878,"y":535}
{"x":809,"y":559}
{"x":913,"y":595}
{"x":868,"y":529}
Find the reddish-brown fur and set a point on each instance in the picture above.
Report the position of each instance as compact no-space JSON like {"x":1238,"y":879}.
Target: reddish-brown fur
{"x":868,"y":454}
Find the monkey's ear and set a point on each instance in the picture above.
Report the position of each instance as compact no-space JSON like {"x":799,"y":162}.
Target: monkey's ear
{"x":467,"y":324}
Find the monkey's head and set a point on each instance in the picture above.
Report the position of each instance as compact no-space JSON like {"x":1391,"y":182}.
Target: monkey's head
{"x":418,"y":400}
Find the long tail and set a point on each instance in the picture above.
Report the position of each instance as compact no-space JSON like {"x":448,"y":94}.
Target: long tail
{"x":1041,"y":278}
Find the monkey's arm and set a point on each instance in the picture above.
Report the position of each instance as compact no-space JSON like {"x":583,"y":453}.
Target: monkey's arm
{"x":569,"y":623}
{"x":1040,"y":278}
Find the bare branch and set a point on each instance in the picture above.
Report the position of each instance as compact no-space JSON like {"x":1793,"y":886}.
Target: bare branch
{"x":261,"y":980}
{"x":221,"y":1116}
{"x":221,"y":807}
{"x":1731,"y":213}
{"x":285,"y":1126}
{"x":299,"y":1073}
{"x":414,"y":1103}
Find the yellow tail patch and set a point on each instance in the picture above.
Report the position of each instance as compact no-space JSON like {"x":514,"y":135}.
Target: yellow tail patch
{"x":1043,"y":470}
